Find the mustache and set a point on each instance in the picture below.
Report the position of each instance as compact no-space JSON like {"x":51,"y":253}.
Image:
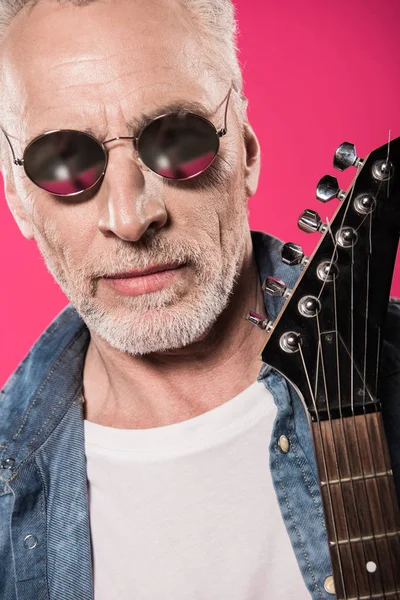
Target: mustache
{"x":151,"y":249}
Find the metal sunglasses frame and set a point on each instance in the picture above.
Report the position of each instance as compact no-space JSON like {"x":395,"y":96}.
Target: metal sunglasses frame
{"x":219,"y":133}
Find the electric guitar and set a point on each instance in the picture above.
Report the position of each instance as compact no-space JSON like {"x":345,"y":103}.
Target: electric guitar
{"x":327,"y":342}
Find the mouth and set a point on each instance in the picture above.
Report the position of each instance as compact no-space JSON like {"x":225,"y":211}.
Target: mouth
{"x":144,"y":282}
{"x":150,"y":270}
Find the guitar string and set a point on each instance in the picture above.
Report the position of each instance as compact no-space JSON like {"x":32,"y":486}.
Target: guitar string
{"x":379,"y":329}
{"x":381,"y":442}
{"x":352,"y":334}
{"x":339,"y":558}
{"x":363,"y":378}
{"x":352,"y":351}
{"x":360,"y":455}
{"x":341,"y":421}
{"x":354,"y":366}
{"x":335,"y":242}
{"x":347,"y":454}
{"x":377,"y":362}
{"x":352,"y":391}
{"x":320,"y":352}
{"x":334,"y":253}
{"x":375,"y":479}
{"x":377,"y":483}
{"x":333,"y":256}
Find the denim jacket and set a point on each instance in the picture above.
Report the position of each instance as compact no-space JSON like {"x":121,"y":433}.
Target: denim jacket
{"x":45,"y":546}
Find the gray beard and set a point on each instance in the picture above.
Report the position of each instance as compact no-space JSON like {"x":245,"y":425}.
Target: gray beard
{"x":162,"y":320}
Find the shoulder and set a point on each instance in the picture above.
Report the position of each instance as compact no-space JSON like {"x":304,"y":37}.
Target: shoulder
{"x":44,"y":375}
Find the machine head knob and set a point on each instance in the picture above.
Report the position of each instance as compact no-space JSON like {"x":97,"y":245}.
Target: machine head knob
{"x":275,"y":287}
{"x":259,"y":321}
{"x":328,"y":188}
{"x":292,"y":254}
{"x":346,"y":156}
{"x":310,"y":222}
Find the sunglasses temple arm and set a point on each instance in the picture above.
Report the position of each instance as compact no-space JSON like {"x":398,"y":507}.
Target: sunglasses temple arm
{"x":224,"y":131}
{"x":16,"y":160}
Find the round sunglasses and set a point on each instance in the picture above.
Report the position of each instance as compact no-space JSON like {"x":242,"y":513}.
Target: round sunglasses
{"x":67,"y":162}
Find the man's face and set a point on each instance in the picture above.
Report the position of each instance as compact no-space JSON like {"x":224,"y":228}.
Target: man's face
{"x":100,"y":67}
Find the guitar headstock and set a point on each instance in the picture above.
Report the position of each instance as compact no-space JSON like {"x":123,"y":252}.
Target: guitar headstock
{"x":327,"y":338}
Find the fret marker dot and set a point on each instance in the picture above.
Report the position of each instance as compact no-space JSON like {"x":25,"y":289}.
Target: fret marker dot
{"x":371,"y":566}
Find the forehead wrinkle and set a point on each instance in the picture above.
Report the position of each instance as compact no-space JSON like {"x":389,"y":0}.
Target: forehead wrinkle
{"x":136,"y":123}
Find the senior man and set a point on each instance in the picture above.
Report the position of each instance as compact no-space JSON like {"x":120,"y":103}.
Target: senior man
{"x":142,"y":438}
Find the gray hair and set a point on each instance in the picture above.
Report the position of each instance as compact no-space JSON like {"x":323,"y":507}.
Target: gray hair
{"x":215,"y":20}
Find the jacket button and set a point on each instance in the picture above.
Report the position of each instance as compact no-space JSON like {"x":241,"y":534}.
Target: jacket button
{"x":283,"y":444}
{"x":30,"y":541}
{"x":329,"y":585}
{"x":8,"y":463}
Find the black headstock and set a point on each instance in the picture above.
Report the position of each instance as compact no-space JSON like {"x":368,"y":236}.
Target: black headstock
{"x":327,"y":338}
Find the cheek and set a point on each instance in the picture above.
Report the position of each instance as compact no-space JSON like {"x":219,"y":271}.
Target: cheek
{"x":56,"y":232}
{"x":62,"y":221}
{"x":214,"y":193}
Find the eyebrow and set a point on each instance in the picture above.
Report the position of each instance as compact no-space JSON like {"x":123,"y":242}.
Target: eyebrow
{"x":136,"y":124}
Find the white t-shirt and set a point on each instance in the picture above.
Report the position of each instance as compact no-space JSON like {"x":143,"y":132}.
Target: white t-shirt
{"x":188,"y":511}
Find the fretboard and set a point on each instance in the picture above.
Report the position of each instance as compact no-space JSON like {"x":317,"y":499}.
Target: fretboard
{"x":361,"y":507}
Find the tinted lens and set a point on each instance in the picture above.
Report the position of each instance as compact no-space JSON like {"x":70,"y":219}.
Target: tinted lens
{"x":178,"y":146}
{"x":64,"y":162}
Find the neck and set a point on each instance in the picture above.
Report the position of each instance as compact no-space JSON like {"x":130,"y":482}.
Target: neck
{"x":131,"y":392}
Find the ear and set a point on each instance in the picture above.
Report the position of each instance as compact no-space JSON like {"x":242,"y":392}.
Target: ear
{"x":15,"y":205}
{"x":253,"y":159}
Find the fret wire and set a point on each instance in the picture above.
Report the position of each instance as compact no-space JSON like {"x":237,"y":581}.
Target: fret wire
{"x":336,"y":456}
{"x":367,"y":538}
{"x":339,"y":558}
{"x":358,"y":477}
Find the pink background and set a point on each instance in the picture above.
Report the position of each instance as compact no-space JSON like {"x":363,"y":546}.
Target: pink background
{"x":317,"y":73}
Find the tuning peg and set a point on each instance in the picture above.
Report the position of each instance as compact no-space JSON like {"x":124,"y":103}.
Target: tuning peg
{"x":346,"y":156}
{"x":328,"y":188}
{"x":310,"y":222}
{"x":259,"y":321}
{"x":275,"y":287}
{"x":292,"y":254}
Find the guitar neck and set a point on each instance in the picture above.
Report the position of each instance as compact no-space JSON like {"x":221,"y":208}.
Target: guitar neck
{"x":327,"y":342}
{"x":360,"y":504}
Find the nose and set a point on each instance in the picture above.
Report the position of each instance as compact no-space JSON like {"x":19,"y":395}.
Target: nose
{"x":131,"y":195}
